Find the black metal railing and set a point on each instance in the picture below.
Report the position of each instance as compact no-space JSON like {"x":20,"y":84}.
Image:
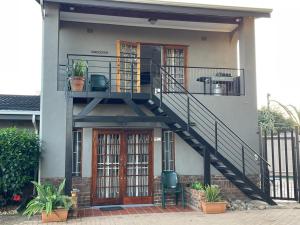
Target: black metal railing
{"x":209,"y":80}
{"x":122,"y":74}
{"x":281,"y":148}
{"x":121,"y":71}
{"x":216,"y":133}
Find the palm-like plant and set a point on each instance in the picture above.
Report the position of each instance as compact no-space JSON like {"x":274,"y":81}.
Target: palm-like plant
{"x":292,"y":112}
{"x":212,"y":193}
{"x":79,"y":68}
{"x":48,"y":199}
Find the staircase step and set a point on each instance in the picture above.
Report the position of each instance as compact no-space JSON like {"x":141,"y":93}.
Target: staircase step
{"x":152,"y":105}
{"x":177,"y":127}
{"x":230,"y":174}
{"x":159,"y":111}
{"x":187,"y":135}
{"x":256,"y":196}
{"x":213,"y":158}
{"x":239,"y":181}
{"x":221,"y":166}
{"x":247,"y":189}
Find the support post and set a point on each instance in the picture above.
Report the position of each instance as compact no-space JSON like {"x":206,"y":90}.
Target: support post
{"x":243,"y":160}
{"x":161,"y":88}
{"x":297,"y":160}
{"x":131,"y":79}
{"x":207,"y":178}
{"x":69,"y":146}
{"x":109,"y":77}
{"x":151,"y":79}
{"x":216,"y":136}
{"x":188,"y":114}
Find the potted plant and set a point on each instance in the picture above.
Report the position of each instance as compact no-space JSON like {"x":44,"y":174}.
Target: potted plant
{"x":77,"y":77}
{"x":213,"y":202}
{"x":50,"y":202}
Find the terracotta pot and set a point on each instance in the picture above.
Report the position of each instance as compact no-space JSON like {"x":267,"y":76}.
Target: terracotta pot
{"x":58,"y":215}
{"x":213,"y":207}
{"x":77,"y":83}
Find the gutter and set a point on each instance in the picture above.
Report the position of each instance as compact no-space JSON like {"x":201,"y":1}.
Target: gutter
{"x":36,"y":130}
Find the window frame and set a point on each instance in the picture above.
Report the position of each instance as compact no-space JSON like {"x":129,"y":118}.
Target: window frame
{"x":164,"y":163}
{"x":75,"y":173}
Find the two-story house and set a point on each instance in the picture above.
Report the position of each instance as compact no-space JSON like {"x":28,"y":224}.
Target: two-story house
{"x":179,"y":93}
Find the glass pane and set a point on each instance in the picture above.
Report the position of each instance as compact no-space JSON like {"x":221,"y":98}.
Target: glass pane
{"x":138,"y":165}
{"x":76,"y":154}
{"x":168,"y":151}
{"x":108,"y":165}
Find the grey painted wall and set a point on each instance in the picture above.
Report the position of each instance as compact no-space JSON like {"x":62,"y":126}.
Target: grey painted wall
{"x":218,"y":50}
{"x":53,"y":103}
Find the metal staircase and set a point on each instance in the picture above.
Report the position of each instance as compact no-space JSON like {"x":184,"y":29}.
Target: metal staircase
{"x":210,"y":137}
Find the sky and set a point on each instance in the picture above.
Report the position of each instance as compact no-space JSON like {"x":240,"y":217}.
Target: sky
{"x":277,"y":48}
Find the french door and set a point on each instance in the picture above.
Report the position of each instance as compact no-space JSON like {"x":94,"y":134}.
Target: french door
{"x":128,"y":66}
{"x":122,"y":167}
{"x":175,"y":62}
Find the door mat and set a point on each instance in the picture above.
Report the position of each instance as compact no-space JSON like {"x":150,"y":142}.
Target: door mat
{"x":111,"y":208}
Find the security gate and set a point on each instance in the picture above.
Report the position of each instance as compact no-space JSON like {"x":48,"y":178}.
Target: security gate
{"x":281,"y":150}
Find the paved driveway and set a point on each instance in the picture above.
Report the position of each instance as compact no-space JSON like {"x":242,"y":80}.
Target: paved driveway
{"x":251,"y":217}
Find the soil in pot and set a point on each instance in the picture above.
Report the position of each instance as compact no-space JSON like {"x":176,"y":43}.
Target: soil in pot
{"x":77,"y":83}
{"x":213,"y":207}
{"x":58,"y":215}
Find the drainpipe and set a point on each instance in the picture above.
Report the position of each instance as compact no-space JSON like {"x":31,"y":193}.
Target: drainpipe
{"x":34,"y":124}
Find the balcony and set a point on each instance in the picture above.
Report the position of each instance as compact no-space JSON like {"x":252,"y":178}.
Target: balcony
{"x":113,"y":76}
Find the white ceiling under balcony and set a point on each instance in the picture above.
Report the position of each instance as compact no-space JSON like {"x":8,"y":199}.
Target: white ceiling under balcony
{"x":144,"y":22}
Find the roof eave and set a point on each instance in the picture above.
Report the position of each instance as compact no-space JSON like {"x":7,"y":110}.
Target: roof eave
{"x":172,"y":7}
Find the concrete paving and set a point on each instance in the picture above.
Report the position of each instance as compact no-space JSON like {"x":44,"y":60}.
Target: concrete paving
{"x":286,"y":216}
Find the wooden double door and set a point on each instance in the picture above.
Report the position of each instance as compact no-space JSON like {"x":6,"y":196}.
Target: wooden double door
{"x":122,"y":168}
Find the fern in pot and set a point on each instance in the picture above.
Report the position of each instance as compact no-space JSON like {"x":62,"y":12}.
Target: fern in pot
{"x":50,"y":202}
{"x":213,"y":202}
{"x":79,"y":70}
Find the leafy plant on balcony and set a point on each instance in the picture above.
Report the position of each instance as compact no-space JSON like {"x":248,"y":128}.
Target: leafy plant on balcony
{"x":79,"y":68}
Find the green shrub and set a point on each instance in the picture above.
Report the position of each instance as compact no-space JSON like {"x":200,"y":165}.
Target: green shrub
{"x":48,"y":199}
{"x":198,"y":186}
{"x":212,"y":193}
{"x":19,"y":157}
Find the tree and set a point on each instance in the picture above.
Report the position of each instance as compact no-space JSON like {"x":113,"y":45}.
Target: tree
{"x":274,"y":119}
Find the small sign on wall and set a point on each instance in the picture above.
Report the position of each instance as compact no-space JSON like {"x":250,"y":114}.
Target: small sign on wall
{"x":99,"y":52}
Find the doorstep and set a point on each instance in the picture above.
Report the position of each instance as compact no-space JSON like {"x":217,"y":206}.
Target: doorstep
{"x":94,"y":211}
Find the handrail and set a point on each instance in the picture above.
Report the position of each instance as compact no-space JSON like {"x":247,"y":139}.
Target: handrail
{"x":215,"y":117}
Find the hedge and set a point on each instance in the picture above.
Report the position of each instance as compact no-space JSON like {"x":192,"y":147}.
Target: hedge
{"x":19,"y":158}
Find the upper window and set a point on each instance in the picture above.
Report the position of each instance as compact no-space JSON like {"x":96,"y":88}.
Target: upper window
{"x":77,"y":149}
{"x":175,"y":62}
{"x":168,"y":150}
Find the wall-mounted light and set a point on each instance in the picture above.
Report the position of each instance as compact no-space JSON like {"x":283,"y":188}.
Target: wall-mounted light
{"x":238,"y":20}
{"x":152,"y":21}
{"x":71,"y":8}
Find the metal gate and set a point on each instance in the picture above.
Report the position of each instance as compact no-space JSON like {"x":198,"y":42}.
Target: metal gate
{"x":281,"y":149}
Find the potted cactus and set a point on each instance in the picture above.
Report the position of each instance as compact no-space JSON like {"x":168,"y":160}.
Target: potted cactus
{"x":79,"y":69}
{"x":50,"y":202}
{"x":213,"y":202}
